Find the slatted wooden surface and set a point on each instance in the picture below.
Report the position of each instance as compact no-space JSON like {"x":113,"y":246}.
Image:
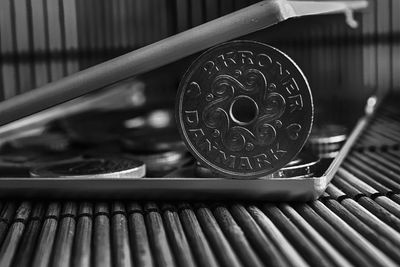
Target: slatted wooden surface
{"x":356,"y":222}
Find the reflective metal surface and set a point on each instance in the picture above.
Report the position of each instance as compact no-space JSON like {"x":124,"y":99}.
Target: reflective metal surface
{"x":181,"y":184}
{"x":326,"y":139}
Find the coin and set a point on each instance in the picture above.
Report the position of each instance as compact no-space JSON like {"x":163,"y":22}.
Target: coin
{"x":159,"y":164}
{"x":326,"y":139}
{"x":154,"y":141}
{"x":93,"y":168}
{"x":152,"y":120}
{"x":328,"y":133}
{"x":161,"y":150}
{"x":95,"y":126}
{"x":244,"y":109}
{"x":304,"y":165}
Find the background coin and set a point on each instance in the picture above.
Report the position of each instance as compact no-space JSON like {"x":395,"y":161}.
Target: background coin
{"x":93,"y":168}
{"x":244,"y":109}
{"x":151,"y":120}
{"x":159,"y":164}
{"x":304,"y":165}
{"x":161,"y":150}
{"x":328,"y":133}
{"x":95,"y":126}
{"x":326,"y":139}
{"x":154,"y":141}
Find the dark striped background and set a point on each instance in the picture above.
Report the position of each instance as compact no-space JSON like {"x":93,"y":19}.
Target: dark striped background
{"x":44,"y":40}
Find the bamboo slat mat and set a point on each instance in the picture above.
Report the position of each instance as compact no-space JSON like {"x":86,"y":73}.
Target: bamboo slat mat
{"x":356,"y":222}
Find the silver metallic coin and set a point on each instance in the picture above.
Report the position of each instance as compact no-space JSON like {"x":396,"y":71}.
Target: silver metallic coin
{"x":159,"y":164}
{"x":93,"y":168}
{"x":93,"y":127}
{"x":305,"y":165}
{"x":155,"y":119}
{"x":327,"y":139}
{"x":244,"y":109}
{"x":328,"y":133}
{"x":155,"y":141}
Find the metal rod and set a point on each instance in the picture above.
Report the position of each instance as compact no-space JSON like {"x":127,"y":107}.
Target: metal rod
{"x":239,"y":23}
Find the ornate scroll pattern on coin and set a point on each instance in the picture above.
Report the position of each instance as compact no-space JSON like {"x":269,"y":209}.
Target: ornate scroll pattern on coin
{"x":244,"y":109}
{"x":226,"y":91}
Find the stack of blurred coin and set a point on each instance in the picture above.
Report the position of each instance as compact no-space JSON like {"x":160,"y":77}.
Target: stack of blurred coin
{"x":304,"y":165}
{"x":153,"y":139}
{"x":151,"y":120}
{"x":326,"y":139}
{"x":95,"y":126}
{"x":162,"y":151}
{"x":244,"y":109}
{"x":99,"y":126}
{"x":111,"y":167}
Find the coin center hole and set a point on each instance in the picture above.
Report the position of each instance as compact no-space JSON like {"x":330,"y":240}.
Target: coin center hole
{"x":244,"y":110}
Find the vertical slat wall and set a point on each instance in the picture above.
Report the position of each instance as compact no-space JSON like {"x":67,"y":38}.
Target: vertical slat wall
{"x":42,"y":40}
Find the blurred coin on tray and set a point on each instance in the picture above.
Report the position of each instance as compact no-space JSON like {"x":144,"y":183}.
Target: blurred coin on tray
{"x":326,"y":139}
{"x":111,"y":167}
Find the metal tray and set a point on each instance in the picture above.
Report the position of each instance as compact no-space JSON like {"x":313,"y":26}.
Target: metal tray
{"x":180,"y":184}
